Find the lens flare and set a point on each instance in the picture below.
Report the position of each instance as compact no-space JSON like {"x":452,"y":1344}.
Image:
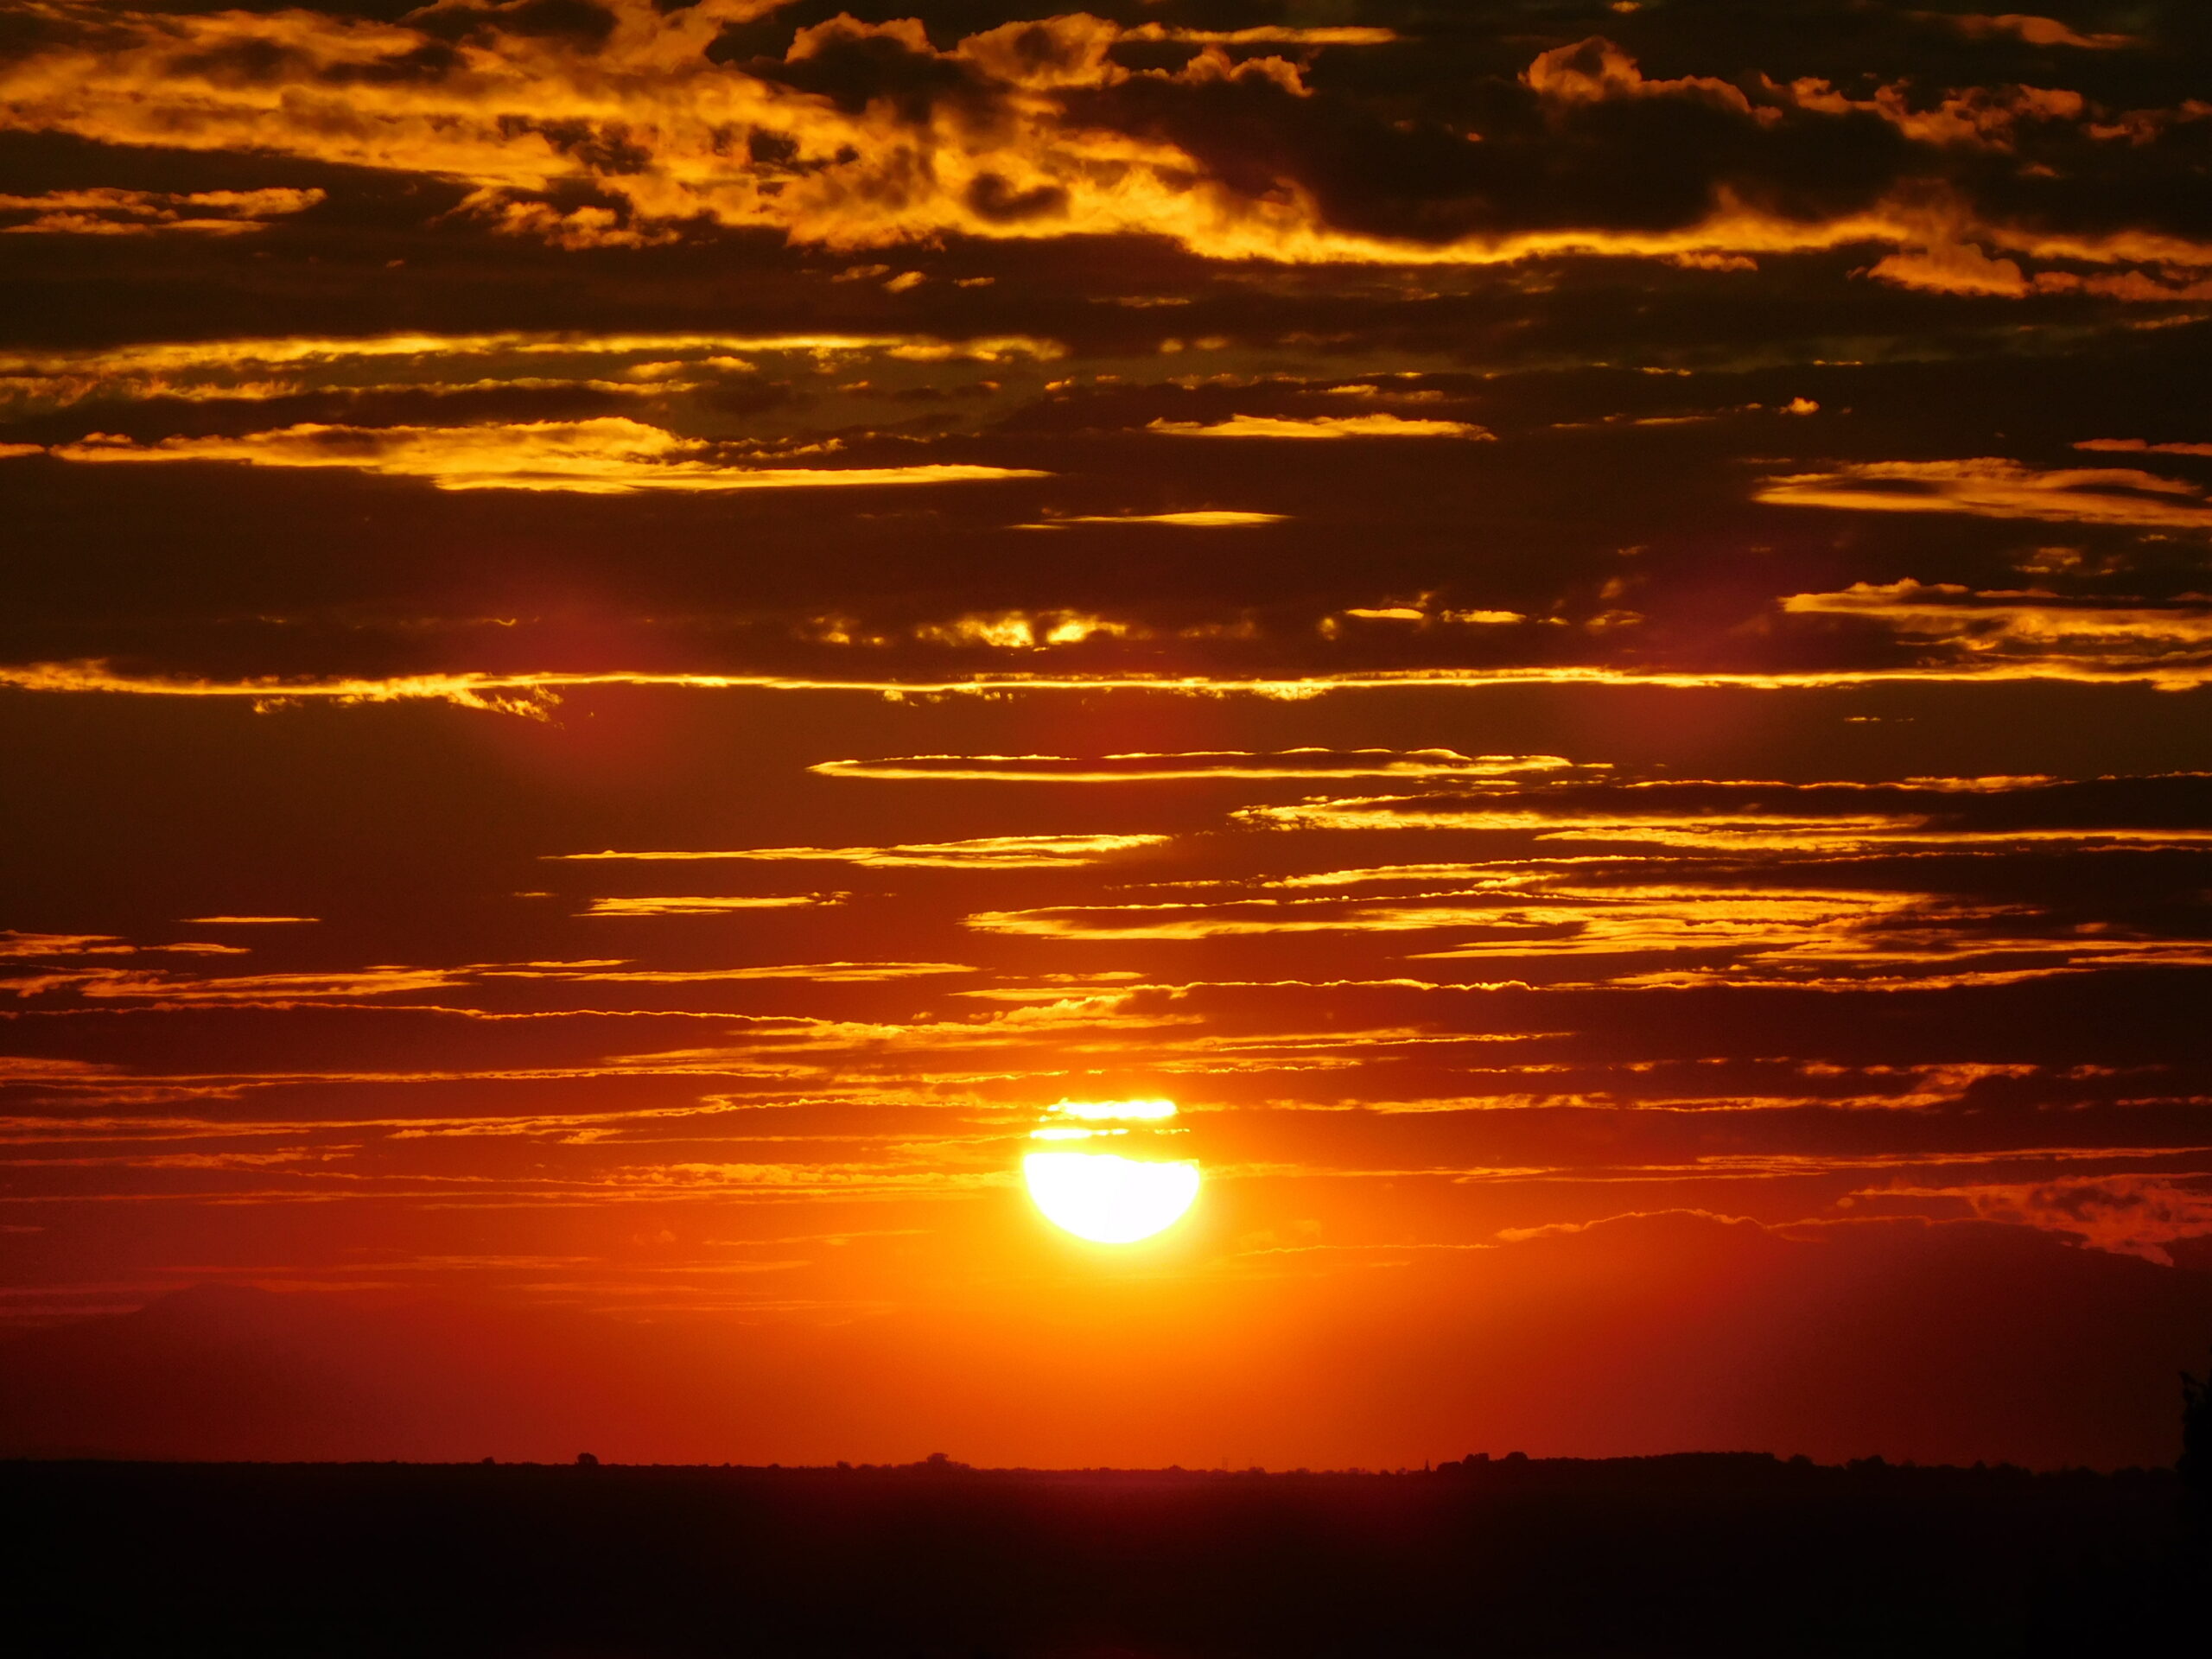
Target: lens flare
{"x":1110,"y":1197}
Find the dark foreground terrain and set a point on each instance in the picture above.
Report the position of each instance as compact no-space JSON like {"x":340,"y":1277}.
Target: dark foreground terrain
{"x":1704,"y":1556}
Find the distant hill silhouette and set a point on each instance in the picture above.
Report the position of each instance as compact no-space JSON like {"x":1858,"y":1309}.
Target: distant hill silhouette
{"x":1648,"y":1334}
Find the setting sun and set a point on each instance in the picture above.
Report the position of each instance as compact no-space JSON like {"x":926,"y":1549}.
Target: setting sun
{"x":1110,"y":1197}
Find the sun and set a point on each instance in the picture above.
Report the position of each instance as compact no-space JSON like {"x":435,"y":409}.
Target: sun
{"x":1106,"y":1199}
{"x":1110,"y":1197}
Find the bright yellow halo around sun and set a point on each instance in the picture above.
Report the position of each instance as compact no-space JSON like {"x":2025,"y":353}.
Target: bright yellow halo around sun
{"x":1109,"y":1196}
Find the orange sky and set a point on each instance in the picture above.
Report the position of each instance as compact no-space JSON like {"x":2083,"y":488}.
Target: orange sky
{"x":637,"y":634}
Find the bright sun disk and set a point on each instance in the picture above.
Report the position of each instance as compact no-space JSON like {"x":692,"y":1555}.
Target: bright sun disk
{"x":1108,"y":1199}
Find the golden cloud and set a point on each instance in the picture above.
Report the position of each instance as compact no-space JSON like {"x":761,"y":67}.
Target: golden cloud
{"x":1009,"y":629}
{"x":247,"y":921}
{"x":986,"y":852}
{"x":107,"y":212}
{"x":606,"y":456}
{"x":1993,"y":488}
{"x":697,"y":907}
{"x":267,"y":989}
{"x":533,"y":695}
{"x":1202,"y":519}
{"x":1319,"y":426}
{"x":2129,"y":1214}
{"x":825,"y":973}
{"x":664,"y":134}
{"x":1154,"y":768}
{"x":2169,"y":644}
{"x":1712,"y":827}
{"x":1250,"y":918}
{"x":1561,"y":919}
{"x":1266,"y":34}
{"x":638,"y":365}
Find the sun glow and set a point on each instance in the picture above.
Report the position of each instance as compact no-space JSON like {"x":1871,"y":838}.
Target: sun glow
{"x":1110,"y":1197}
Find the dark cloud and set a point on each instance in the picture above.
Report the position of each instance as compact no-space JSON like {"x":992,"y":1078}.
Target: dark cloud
{"x":575,"y":22}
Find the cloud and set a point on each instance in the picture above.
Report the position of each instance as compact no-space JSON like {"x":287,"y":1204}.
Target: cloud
{"x":1253,"y":918}
{"x":825,"y":973}
{"x":1204,"y":519}
{"x":2128,"y":1215}
{"x":1758,"y":936}
{"x":1993,"y":488}
{"x":2170,"y":643}
{"x":1148,"y":768}
{"x":1013,"y":630}
{"x":1768,"y":881}
{"x":614,"y":362}
{"x":1319,"y":426}
{"x":110,"y":212}
{"x":611,"y":455}
{"x":1268,"y":35}
{"x":247,"y":921}
{"x":698,"y":906}
{"x":2033,"y":30}
{"x":985,"y":852}
{"x":1420,"y":616}
{"x":249,"y":353}
{"x":866,"y":135}
{"x":2137,"y":446}
{"x":1953,"y":267}
{"x":532,"y":696}
{"x":273,"y":989}
{"x":1816,"y":818}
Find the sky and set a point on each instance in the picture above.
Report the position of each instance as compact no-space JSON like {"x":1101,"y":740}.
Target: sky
{"x":637,"y":634}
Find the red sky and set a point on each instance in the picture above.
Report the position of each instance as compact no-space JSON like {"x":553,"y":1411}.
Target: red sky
{"x":636,"y":635}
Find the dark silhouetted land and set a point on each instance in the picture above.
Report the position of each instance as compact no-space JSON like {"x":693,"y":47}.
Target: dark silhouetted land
{"x":1704,"y":1554}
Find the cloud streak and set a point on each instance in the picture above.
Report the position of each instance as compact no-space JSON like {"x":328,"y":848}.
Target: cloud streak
{"x":1319,"y":426}
{"x":612,"y":455}
{"x":1158,"y":768}
{"x":982,"y":852}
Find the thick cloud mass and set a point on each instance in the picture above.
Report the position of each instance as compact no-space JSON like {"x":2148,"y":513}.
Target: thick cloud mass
{"x":635,"y":634}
